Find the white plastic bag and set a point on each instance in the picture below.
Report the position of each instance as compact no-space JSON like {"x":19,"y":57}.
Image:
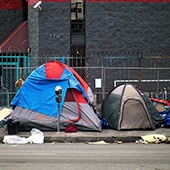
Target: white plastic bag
{"x":13,"y":139}
{"x":36,"y":136}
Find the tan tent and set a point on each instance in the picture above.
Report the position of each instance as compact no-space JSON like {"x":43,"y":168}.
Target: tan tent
{"x":126,"y":107}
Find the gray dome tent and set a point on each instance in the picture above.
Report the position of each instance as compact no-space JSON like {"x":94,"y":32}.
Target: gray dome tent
{"x":126,"y":107}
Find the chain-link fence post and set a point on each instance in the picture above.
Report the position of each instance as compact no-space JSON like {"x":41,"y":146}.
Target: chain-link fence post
{"x":103,"y":82}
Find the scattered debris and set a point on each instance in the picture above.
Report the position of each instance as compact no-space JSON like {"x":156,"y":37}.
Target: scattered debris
{"x":98,"y":143}
{"x":144,"y":142}
{"x":167,"y":140}
{"x":138,"y":141}
{"x":155,"y":138}
{"x":13,"y":139}
{"x":4,"y":113}
{"x":118,"y":142}
{"x":166,"y":117}
{"x":71,"y":128}
{"x":37,"y":137}
{"x":13,"y":126}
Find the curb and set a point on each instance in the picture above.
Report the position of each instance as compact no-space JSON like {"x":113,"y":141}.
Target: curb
{"x":50,"y":139}
{"x":109,"y":136}
{"x":90,"y":139}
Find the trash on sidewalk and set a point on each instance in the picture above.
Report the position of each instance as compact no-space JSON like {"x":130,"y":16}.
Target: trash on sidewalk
{"x":103,"y":122}
{"x":167,"y":140}
{"x":166,"y":118}
{"x":4,"y":113}
{"x":138,"y":141}
{"x":159,"y":104}
{"x":14,"y":139}
{"x":144,"y":142}
{"x":118,"y":142}
{"x":98,"y":143}
{"x":37,"y":137}
{"x":71,"y":128}
{"x":13,"y":126}
{"x":155,"y":138}
{"x":3,"y":123}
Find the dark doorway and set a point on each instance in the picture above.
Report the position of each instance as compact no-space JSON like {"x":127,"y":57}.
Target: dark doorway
{"x":77,"y":42}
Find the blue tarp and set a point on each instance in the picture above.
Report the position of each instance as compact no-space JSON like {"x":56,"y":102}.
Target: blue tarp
{"x":166,"y":118}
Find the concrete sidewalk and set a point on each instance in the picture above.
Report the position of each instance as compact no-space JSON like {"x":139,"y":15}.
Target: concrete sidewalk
{"x":108,"y":135}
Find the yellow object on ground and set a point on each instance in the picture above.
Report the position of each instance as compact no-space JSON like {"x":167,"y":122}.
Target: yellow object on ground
{"x":98,"y":143}
{"x":118,"y":142}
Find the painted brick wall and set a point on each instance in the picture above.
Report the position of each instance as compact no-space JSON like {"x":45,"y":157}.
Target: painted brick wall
{"x":116,"y":25}
{"x":11,"y":4}
{"x":33,"y":29}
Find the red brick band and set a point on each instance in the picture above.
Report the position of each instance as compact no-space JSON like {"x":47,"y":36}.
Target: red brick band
{"x":18,"y":4}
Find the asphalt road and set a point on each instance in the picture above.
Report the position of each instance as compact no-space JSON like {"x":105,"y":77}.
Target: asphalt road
{"x":82,"y":156}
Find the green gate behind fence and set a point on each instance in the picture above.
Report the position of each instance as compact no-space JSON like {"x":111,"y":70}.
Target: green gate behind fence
{"x":9,"y":76}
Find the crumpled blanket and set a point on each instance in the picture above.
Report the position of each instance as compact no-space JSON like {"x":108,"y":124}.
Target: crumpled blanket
{"x":155,"y":138}
{"x":71,"y":128}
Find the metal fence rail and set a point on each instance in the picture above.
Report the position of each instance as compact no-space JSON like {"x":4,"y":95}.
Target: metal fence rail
{"x":154,"y":81}
{"x":106,"y":61}
{"x":102,"y":70}
{"x":116,"y":58}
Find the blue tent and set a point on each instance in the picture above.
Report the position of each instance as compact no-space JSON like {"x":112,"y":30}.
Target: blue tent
{"x":36,"y":98}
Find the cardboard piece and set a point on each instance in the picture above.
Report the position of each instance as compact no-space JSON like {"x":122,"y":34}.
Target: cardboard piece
{"x":4,"y":113}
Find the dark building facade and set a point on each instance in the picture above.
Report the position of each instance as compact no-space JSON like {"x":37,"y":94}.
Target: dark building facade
{"x":85,"y":29}
{"x":127,"y":25}
{"x":72,"y":27}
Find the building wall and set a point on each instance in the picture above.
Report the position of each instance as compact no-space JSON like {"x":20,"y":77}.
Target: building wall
{"x":33,"y":30}
{"x":49,"y":29}
{"x":11,"y":16}
{"x":110,"y":25}
{"x":127,"y":25}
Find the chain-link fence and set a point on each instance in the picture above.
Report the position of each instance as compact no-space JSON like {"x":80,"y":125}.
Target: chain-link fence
{"x":10,"y":75}
{"x":154,"y":81}
{"x":102,"y":71}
